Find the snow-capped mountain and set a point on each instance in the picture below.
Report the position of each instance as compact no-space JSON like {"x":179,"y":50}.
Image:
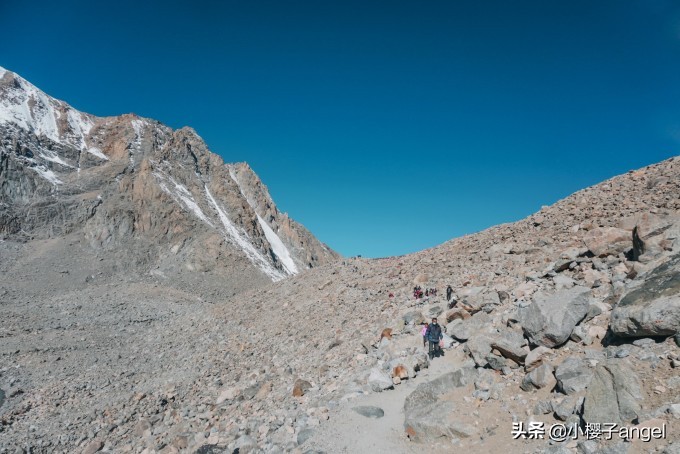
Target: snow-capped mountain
{"x":140,"y":189}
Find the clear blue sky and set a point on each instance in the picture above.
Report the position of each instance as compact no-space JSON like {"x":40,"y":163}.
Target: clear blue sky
{"x":384,"y":126}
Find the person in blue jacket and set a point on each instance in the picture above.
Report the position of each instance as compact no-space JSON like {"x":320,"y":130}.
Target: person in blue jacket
{"x":434,"y":335}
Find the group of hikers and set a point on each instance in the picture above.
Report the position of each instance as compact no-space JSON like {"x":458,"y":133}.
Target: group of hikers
{"x":419,"y":293}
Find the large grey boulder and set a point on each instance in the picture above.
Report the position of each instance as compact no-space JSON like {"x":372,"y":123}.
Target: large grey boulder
{"x":429,"y":417}
{"x":653,"y":308}
{"x":573,"y":375}
{"x":614,"y":394}
{"x":510,"y":344}
{"x":462,"y":330}
{"x":478,"y":347}
{"x":414,"y":317}
{"x":482,"y":300}
{"x":549,"y":320}
{"x":379,"y":380}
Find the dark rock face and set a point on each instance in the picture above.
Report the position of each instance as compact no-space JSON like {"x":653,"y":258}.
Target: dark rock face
{"x":653,"y":308}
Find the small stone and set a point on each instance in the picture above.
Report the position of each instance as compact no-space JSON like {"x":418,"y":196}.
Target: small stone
{"x":227,"y":394}
{"x":304,"y":435}
{"x":535,"y":358}
{"x":93,"y":446}
{"x":300,"y":387}
{"x":369,"y":411}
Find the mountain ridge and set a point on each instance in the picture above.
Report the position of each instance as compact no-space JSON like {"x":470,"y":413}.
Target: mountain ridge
{"x":55,"y":158}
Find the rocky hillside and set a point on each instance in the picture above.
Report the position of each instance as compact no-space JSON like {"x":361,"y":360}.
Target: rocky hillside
{"x":156,"y":197}
{"x":570,"y":316}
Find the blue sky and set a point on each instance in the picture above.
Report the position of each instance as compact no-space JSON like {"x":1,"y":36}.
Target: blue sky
{"x":384,"y":127}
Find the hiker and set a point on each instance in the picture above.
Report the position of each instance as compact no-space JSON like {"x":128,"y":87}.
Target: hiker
{"x":423,"y":332}
{"x":434,"y":335}
{"x":449,"y":292}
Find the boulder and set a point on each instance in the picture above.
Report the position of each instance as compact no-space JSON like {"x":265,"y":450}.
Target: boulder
{"x":549,"y":320}
{"x":509,"y":343}
{"x":564,"y":408}
{"x":495,"y":362}
{"x":653,"y":307}
{"x":614,"y":394}
{"x":604,"y":241}
{"x":535,"y":358}
{"x":573,"y":375}
{"x":462,"y":330}
{"x":562,"y":281}
{"x":538,"y":378}
{"x":379,"y":380}
{"x":414,"y":317}
{"x":479,"y":299}
{"x":428,"y":417}
{"x":580,"y":334}
{"x":478,"y":347}
{"x":457,"y":313}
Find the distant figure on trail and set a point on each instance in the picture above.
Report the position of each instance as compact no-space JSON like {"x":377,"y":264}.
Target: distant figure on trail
{"x":449,"y":292}
{"x":423,"y":332}
{"x":434,"y":335}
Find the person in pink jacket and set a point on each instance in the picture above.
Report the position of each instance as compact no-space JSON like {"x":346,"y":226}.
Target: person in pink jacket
{"x":423,"y":332}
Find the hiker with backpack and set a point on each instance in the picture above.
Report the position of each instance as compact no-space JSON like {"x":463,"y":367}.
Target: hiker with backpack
{"x":434,"y":335}
{"x":449,"y":292}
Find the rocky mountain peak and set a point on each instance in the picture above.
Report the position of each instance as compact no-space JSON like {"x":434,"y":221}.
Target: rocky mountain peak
{"x":132,"y":184}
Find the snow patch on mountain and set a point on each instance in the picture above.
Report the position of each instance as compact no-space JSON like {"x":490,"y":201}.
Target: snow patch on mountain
{"x":182,"y":196}
{"x":47,"y":174}
{"x":278,"y":247}
{"x":26,"y":106}
{"x":241,"y":239}
{"x":98,"y":153}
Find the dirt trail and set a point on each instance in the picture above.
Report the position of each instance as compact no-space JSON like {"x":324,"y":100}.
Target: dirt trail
{"x":349,"y":432}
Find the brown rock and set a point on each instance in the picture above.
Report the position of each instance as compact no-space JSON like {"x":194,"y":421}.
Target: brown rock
{"x":386,"y":333}
{"x":300,"y":387}
{"x":604,"y":241}
{"x":400,"y":371}
{"x":457,"y":313}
